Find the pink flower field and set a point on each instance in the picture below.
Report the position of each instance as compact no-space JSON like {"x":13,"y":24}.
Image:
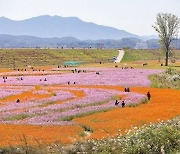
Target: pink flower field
{"x":123,"y":77}
{"x":47,"y":111}
{"x":56,"y":103}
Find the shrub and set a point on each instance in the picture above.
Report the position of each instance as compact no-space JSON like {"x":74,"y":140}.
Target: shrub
{"x":156,"y":138}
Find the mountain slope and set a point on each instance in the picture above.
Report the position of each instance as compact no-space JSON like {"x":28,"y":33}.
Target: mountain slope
{"x":56,"y":26}
{"x":10,"y":41}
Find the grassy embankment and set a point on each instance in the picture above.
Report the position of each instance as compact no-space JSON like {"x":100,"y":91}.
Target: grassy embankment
{"x":153,"y":58}
{"x":18,"y":58}
{"x":148,"y":55}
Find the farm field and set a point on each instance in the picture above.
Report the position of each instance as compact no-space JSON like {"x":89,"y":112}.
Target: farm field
{"x":48,"y":104}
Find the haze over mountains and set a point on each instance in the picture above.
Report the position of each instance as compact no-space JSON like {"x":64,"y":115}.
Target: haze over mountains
{"x":56,"y":31}
{"x":56,"y":26}
{"x":10,"y":41}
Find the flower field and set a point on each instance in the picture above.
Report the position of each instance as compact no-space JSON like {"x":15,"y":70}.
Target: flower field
{"x":50,"y":105}
{"x":106,"y":76}
{"x":51,"y":109}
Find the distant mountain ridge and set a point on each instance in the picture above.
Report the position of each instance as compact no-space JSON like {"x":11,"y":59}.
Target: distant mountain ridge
{"x":56,"y":26}
{"x":10,"y":41}
{"x":23,"y":41}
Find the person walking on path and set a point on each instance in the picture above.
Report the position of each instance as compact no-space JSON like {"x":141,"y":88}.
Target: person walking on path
{"x":148,"y":95}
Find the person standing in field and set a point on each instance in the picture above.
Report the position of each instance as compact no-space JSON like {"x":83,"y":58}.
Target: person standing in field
{"x":123,"y":104}
{"x":148,"y":95}
{"x":116,"y":102}
{"x":128,"y":89}
{"x":18,"y":100}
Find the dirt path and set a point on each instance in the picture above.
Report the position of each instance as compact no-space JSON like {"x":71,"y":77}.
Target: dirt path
{"x":120,"y":56}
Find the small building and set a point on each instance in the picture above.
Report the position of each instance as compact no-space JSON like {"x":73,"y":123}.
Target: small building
{"x":72,"y":63}
{"x":141,"y":45}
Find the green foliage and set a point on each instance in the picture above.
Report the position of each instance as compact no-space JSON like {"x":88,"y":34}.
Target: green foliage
{"x":17,"y":117}
{"x":139,"y":55}
{"x":156,"y":81}
{"x":169,"y":79}
{"x":170,"y":71}
{"x":97,"y":103}
{"x":167,"y":26}
{"x":145,"y":55}
{"x":48,"y":103}
{"x":116,"y":97}
{"x":159,"y":138}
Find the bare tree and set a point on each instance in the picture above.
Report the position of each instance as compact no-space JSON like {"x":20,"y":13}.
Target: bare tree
{"x":167,"y":26}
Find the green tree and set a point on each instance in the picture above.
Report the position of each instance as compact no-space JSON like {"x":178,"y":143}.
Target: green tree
{"x":167,"y":26}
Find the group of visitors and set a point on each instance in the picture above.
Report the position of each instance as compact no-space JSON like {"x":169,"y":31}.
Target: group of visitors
{"x":128,"y":67}
{"x":127,"y":89}
{"x":70,"y":82}
{"x":21,"y":69}
{"x":4,"y":78}
{"x":45,"y":79}
{"x":31,"y":69}
{"x":122,"y":103}
{"x":78,"y":71}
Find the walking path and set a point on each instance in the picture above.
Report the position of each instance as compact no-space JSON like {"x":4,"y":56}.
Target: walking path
{"x":120,"y":56}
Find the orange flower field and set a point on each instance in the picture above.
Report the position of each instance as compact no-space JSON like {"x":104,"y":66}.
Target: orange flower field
{"x":163,"y":105}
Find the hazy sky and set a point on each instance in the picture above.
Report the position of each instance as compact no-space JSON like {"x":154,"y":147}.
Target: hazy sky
{"x":135,"y":16}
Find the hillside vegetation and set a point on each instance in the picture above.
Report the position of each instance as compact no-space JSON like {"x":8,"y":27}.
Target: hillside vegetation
{"x":168,"y":79}
{"x":14,"y":58}
{"x":142,"y":55}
